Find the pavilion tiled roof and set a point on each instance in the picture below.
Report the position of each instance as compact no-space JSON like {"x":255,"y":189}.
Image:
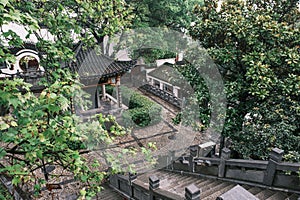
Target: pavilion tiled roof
{"x":93,"y":65}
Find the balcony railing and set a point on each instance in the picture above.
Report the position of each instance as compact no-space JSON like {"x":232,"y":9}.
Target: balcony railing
{"x":33,"y":77}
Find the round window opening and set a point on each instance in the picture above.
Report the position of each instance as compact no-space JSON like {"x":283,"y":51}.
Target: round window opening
{"x":29,"y":63}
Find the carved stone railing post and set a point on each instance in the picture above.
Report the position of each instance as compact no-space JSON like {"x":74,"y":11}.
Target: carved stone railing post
{"x":131,"y":178}
{"x":171,"y":158}
{"x":192,"y":192}
{"x":193,"y":154}
{"x":113,"y":179}
{"x":153,"y":184}
{"x":275,"y":158}
{"x":225,"y":155}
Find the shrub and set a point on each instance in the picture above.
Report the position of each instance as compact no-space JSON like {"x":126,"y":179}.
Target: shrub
{"x":142,"y":112}
{"x":126,"y":95}
{"x":143,"y":116}
{"x":109,"y":89}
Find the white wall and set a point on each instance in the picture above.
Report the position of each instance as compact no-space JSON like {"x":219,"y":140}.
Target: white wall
{"x":163,"y":61}
{"x":19,"y":55}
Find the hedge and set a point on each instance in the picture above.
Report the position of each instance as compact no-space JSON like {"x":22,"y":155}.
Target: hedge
{"x":142,"y":112}
{"x":142,"y":117}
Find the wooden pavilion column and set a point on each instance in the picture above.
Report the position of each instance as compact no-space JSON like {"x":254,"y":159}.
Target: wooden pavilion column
{"x":103,"y":91}
{"x":119,"y":95}
{"x":97,"y":103}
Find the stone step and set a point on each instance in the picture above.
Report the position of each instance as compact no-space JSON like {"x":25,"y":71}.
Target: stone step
{"x":264,"y":194}
{"x":145,"y":176}
{"x":110,"y":197}
{"x":247,"y":187}
{"x":164,"y":173}
{"x":168,"y":180}
{"x":277,"y":196}
{"x":255,"y":190}
{"x":180,"y":179}
{"x":109,"y":194}
{"x":184,"y":182}
{"x":175,"y":177}
{"x":204,"y":183}
{"x":178,"y":183}
{"x":293,"y":197}
{"x":169,"y":175}
{"x":210,"y":188}
{"x":206,"y":188}
{"x":220,"y":192}
{"x":180,"y":189}
{"x":214,"y":188}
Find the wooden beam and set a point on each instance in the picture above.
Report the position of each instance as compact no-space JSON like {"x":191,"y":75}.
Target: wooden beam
{"x":90,"y":86}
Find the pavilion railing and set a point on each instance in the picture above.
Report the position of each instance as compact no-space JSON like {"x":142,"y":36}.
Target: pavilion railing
{"x":32,"y":77}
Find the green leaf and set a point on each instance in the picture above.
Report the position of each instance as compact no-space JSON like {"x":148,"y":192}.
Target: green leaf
{"x":44,"y":123}
{"x":84,"y":178}
{"x":42,"y":137}
{"x":16,"y":180}
{"x":4,"y":126}
{"x":2,"y":152}
{"x":4,"y":2}
{"x":53,"y":95}
{"x":14,"y":102}
{"x":83,"y":192}
{"x":39,"y":154}
{"x":13,"y":123}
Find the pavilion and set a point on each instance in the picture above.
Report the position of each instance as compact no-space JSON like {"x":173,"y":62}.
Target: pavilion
{"x":95,"y":70}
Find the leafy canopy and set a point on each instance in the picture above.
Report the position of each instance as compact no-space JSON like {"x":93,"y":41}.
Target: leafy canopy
{"x":175,"y":15}
{"x":38,"y":131}
{"x":256,"y":46}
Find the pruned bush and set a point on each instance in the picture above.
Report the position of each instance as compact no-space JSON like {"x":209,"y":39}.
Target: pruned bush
{"x":142,"y":112}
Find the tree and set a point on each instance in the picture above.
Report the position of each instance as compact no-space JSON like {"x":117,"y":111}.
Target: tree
{"x":256,"y":46}
{"x":175,"y":15}
{"x":40,"y":131}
